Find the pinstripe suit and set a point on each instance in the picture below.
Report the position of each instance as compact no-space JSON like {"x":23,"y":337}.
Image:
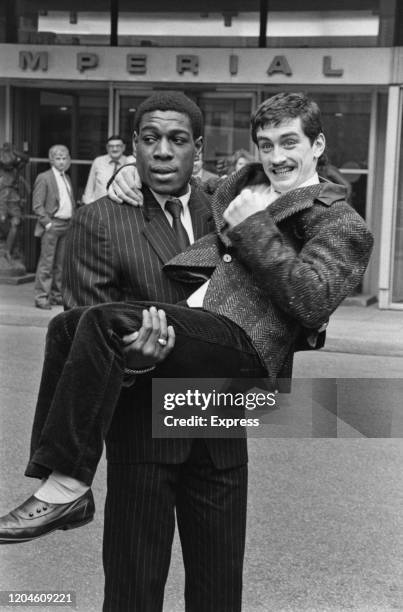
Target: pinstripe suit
{"x":116,"y":253}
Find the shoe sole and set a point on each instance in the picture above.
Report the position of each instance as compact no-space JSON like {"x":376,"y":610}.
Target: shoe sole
{"x":62,"y":528}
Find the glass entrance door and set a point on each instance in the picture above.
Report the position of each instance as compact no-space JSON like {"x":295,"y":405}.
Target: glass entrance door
{"x":44,"y":117}
{"x":226,"y":126}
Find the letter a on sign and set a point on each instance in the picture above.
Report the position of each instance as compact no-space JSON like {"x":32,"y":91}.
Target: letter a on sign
{"x":279,"y":64}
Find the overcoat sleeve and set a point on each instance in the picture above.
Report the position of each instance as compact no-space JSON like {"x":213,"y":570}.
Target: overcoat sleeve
{"x":308,"y":284}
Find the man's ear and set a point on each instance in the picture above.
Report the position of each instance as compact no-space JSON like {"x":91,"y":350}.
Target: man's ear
{"x":135,"y":140}
{"x":319,"y":145}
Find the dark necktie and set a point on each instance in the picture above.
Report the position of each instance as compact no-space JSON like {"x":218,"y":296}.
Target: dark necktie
{"x":174,"y":207}
{"x":115,"y":165}
{"x":65,"y":181}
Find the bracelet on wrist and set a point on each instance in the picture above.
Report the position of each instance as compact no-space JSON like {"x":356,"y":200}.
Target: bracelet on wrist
{"x":129,"y":371}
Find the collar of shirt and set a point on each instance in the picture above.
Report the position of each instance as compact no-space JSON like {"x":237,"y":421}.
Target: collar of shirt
{"x":61,"y":176}
{"x":314,"y":180}
{"x":185,"y":215}
{"x":57,"y":172}
{"x":116,"y":161}
{"x":161,"y":199}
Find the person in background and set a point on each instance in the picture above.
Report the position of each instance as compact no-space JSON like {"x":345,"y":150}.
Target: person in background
{"x":103,"y":168}
{"x":208,"y":180}
{"x":11,"y":164}
{"x":53,"y":202}
{"x":240,"y":158}
{"x":225,"y":166}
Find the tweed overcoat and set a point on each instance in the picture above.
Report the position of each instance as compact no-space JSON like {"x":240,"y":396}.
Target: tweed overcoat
{"x":281,"y":269}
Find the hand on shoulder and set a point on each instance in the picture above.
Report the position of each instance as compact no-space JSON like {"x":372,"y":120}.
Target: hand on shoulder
{"x":126,"y":186}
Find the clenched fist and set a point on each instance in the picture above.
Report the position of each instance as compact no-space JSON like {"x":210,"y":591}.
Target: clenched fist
{"x":247,"y":203}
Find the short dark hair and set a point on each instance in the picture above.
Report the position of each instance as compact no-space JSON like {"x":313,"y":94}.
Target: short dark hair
{"x":115,"y":137}
{"x":285,"y":106}
{"x":172,"y":101}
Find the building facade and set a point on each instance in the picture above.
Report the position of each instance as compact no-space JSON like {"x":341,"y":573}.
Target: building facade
{"x":75,"y":77}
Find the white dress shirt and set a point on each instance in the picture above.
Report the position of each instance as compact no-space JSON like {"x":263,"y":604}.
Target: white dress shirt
{"x":65,"y":210}
{"x":102,"y":169}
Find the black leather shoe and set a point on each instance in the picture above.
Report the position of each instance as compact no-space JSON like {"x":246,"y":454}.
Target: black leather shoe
{"x":35,"y":518}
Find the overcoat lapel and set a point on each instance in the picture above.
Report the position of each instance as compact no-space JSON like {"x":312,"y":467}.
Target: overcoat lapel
{"x":200,"y":212}
{"x":294,"y":201}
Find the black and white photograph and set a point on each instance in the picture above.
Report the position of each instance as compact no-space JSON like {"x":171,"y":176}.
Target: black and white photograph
{"x":201,"y":306}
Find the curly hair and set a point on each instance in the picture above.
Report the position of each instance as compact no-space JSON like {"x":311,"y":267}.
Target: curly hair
{"x":172,"y":101}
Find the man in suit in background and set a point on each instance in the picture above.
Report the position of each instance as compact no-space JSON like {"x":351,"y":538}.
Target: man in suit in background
{"x":53,"y":203}
{"x":103,"y":168}
{"x":116,"y":253}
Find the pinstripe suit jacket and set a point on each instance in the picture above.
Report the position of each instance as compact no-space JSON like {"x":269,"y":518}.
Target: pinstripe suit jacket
{"x":116,"y":253}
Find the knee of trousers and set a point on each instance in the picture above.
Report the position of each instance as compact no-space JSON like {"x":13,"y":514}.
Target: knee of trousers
{"x":63,"y":325}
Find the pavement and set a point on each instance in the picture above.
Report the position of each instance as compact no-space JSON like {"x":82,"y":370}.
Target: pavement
{"x":325,"y":519}
{"x":352,"y":329}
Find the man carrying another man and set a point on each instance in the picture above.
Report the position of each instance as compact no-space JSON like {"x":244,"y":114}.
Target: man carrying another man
{"x":262,"y":226}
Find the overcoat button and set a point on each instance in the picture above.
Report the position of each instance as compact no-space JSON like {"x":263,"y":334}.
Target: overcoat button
{"x":227,"y":257}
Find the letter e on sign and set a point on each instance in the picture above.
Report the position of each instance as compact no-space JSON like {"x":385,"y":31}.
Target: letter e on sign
{"x":187,"y":63}
{"x":137,"y":64}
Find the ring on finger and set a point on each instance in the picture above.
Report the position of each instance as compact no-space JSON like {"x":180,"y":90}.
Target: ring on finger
{"x":162,"y":341}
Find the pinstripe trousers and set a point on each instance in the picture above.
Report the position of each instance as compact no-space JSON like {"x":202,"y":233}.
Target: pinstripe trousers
{"x":210,"y":507}
{"x":80,"y":385}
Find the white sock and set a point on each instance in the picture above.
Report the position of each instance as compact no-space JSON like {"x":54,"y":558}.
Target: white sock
{"x":60,"y":489}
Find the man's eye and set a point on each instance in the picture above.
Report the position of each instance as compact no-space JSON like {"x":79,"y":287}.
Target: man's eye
{"x":179,"y":140}
{"x":265,"y":146}
{"x":290,"y":143}
{"x":149,"y":139}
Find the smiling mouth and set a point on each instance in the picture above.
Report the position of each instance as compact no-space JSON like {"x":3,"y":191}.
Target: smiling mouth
{"x":283,"y":171}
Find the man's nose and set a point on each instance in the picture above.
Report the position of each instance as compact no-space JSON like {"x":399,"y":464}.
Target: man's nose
{"x":163,"y":148}
{"x":277,"y":155}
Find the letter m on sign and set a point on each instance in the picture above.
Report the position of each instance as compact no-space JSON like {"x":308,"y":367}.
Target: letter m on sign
{"x":33,"y":61}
